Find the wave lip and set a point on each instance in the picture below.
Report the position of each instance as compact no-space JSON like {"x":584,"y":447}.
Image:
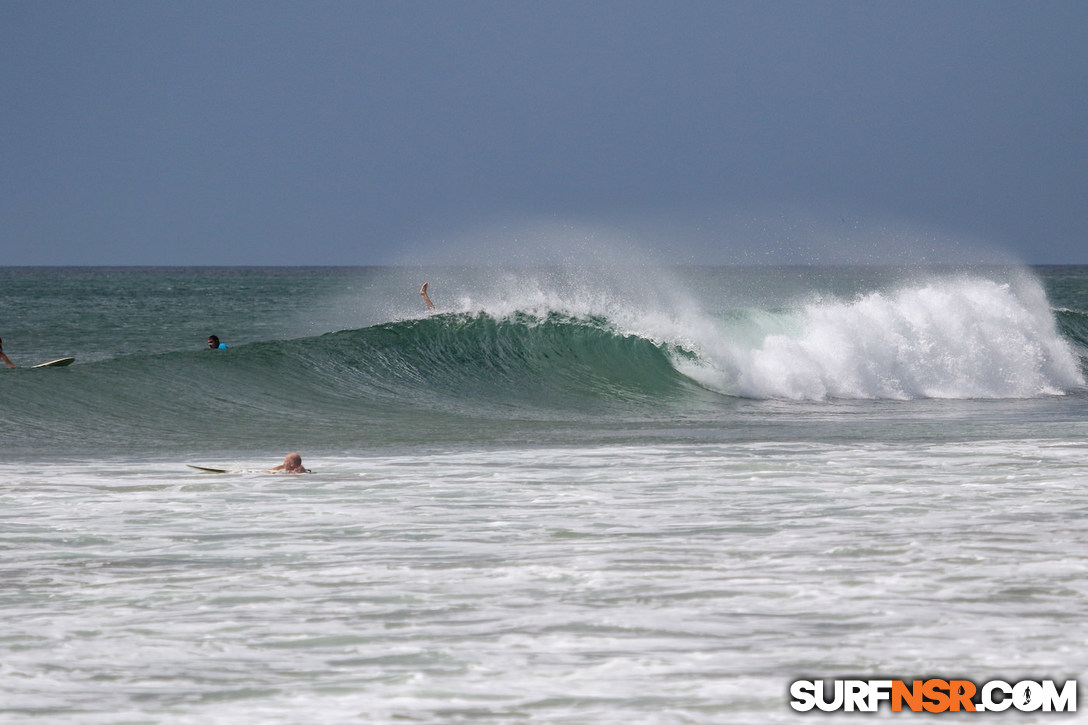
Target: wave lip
{"x":959,"y":339}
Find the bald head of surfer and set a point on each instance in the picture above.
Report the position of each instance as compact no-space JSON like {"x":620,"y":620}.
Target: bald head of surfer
{"x":292,"y":463}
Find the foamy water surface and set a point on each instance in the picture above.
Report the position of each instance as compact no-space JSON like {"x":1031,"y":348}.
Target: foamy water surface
{"x":616,"y":584}
{"x":597,"y":496}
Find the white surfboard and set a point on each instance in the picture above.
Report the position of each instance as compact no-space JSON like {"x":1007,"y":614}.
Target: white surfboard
{"x":58,"y":363}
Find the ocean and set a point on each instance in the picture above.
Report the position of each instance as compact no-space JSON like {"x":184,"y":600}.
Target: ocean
{"x":567,"y":495}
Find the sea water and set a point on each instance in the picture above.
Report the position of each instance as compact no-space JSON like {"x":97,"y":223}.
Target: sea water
{"x":565,"y":496}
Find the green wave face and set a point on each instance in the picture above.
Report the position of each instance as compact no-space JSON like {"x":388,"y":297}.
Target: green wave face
{"x":395,"y":382}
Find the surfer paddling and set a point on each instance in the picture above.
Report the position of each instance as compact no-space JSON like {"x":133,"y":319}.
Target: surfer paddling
{"x":292,"y":463}
{"x":214,"y":344}
{"x":8,"y":361}
{"x":426,"y":298}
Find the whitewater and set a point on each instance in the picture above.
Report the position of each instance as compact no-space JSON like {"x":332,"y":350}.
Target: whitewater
{"x":568,"y":495}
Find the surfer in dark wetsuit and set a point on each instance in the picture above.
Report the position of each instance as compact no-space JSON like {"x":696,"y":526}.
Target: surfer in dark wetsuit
{"x":426,"y":298}
{"x":214,"y":344}
{"x":292,"y":463}
{"x":7,"y":360}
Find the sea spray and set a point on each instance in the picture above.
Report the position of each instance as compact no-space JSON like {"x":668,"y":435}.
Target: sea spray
{"x":962,"y":337}
{"x":954,"y":336}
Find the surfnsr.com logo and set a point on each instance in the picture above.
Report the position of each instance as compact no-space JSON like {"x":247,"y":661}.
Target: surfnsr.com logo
{"x":933,"y":695}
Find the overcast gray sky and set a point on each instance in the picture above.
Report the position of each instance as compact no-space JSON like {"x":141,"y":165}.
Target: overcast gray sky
{"x":406,"y":132}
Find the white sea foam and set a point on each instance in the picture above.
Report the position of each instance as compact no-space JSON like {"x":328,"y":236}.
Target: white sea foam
{"x":947,"y":338}
{"x":662,"y":583}
{"x":942,"y":337}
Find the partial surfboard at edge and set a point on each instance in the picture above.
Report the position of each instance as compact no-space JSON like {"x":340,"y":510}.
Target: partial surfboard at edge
{"x":58,"y":363}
